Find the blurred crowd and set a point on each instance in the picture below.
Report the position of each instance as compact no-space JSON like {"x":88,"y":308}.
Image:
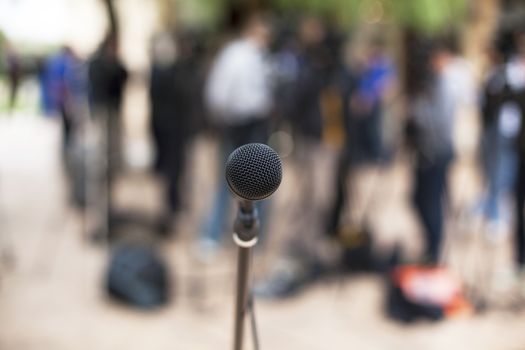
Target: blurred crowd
{"x":308,"y":81}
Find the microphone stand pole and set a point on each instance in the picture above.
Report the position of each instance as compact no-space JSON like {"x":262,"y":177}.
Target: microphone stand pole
{"x":246,"y":231}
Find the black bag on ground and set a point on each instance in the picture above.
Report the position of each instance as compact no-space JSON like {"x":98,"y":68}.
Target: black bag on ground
{"x":400,"y":308}
{"x":137,"y":276}
{"x":422,"y":291}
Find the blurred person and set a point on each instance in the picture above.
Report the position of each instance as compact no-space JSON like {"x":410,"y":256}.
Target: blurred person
{"x":304,"y":112}
{"x":60,"y":84}
{"x":312,"y":68}
{"x":516,"y":78}
{"x":174,"y":94}
{"x":502,"y":145}
{"x":14,"y":74}
{"x":166,"y":120}
{"x":364,"y":83}
{"x":286,"y":68}
{"x":107,"y":78}
{"x":238,"y":94}
{"x":46,"y":101}
{"x":501,"y":123}
{"x":434,"y":109}
{"x":374,"y":75}
{"x":64,"y":91}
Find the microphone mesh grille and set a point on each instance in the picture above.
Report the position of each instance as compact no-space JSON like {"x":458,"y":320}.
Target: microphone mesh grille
{"x":254,"y":171}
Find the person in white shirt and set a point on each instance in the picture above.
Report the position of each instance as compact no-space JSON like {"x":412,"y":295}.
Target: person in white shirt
{"x":238,"y":95}
{"x":238,"y":90}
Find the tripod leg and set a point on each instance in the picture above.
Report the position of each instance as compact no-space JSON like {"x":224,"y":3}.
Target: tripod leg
{"x":251,"y":310}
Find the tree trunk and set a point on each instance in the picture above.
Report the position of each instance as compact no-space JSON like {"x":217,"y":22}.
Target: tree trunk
{"x":112,"y":19}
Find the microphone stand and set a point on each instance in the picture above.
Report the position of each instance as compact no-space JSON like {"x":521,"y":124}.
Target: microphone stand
{"x":246,"y":231}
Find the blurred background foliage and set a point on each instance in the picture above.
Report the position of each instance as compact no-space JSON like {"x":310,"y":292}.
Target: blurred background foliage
{"x":430,"y":16}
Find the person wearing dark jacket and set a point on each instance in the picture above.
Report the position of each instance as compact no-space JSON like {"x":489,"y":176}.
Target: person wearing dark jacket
{"x":312,"y":77}
{"x":107,"y":77}
{"x":173,"y":93}
{"x":363,"y":90}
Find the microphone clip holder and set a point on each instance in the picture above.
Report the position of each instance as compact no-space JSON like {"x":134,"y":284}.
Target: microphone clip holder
{"x":246,"y":226}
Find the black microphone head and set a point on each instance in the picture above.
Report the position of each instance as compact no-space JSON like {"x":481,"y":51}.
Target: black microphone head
{"x":254,"y":171}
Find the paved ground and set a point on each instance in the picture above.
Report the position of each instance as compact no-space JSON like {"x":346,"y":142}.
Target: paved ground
{"x":50,"y":277}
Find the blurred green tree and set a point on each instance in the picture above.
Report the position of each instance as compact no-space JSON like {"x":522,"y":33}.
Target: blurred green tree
{"x":429,"y":16}
{"x":425,"y":15}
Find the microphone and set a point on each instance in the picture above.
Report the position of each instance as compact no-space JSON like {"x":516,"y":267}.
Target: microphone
{"x":253,"y":172}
